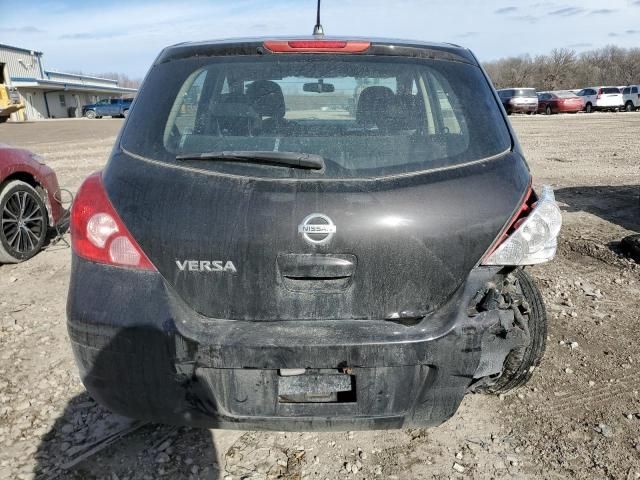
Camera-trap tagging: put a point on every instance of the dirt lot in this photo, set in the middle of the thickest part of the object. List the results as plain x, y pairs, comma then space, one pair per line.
578, 418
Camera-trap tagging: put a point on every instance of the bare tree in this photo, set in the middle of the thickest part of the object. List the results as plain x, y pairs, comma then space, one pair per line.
513, 71
557, 69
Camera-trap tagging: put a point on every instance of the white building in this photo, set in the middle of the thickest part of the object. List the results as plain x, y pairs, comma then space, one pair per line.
51, 94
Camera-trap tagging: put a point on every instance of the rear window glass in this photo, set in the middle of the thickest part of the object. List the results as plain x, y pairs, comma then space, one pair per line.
565, 94
366, 116
525, 92
610, 90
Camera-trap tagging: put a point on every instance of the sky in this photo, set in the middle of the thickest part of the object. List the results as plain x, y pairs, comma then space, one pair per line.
125, 36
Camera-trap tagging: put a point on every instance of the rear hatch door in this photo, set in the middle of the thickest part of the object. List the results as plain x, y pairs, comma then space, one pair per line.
234, 248
420, 176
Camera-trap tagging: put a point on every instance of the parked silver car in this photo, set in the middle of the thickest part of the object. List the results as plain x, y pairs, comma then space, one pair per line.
631, 98
519, 100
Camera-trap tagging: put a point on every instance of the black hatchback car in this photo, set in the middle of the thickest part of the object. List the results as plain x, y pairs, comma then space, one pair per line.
309, 234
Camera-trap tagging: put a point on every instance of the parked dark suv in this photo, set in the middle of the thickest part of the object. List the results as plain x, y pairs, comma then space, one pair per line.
309, 235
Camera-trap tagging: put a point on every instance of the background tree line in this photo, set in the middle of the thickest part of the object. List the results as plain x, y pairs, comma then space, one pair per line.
563, 69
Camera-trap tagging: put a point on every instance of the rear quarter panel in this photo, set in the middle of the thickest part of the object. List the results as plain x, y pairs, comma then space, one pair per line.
15, 161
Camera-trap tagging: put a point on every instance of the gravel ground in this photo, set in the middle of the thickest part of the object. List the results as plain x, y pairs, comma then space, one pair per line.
579, 417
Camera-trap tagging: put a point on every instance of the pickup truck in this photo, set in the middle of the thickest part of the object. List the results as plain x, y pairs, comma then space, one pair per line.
116, 107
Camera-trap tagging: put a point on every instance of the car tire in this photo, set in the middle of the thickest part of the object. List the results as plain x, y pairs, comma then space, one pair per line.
548, 110
631, 246
20, 243
588, 108
629, 107
520, 363
125, 113
90, 114
3, 119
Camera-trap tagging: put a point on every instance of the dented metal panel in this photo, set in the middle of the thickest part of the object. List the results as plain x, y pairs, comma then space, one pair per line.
158, 360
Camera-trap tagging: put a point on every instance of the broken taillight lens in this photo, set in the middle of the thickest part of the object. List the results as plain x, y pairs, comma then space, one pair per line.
534, 234
97, 232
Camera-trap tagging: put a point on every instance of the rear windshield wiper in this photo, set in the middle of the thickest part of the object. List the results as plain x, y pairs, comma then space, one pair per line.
288, 159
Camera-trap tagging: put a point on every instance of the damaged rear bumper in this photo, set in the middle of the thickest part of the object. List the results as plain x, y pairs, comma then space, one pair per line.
143, 353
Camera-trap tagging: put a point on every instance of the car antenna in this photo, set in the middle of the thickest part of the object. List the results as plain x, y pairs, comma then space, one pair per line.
317, 29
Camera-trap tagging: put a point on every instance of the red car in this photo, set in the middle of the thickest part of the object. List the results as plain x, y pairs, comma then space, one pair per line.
559, 102
30, 204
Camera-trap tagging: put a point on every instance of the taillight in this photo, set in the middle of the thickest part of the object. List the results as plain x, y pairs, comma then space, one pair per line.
599, 94
316, 46
97, 232
532, 235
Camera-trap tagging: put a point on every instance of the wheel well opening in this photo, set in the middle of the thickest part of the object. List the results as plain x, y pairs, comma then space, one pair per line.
23, 177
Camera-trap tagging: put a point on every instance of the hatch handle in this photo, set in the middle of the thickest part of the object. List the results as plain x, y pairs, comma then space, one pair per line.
316, 266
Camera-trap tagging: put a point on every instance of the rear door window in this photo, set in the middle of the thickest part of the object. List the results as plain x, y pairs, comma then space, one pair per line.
366, 116
185, 107
610, 90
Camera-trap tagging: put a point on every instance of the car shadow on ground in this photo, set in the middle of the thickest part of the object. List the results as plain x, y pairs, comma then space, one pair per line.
619, 204
88, 441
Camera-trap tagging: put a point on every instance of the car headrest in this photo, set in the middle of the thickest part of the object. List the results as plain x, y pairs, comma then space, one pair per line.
232, 115
266, 98
377, 106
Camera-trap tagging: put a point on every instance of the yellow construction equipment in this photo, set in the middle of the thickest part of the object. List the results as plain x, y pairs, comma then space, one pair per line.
9, 97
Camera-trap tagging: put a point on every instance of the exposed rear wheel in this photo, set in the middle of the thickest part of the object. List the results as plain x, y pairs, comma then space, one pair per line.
90, 114
548, 110
588, 108
629, 107
631, 246
23, 222
521, 362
